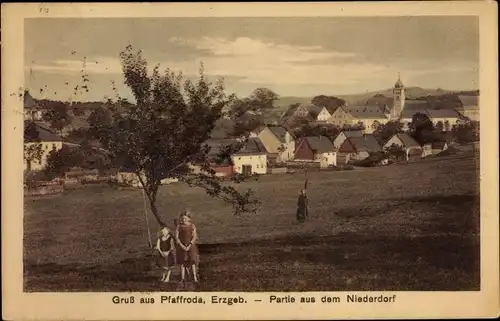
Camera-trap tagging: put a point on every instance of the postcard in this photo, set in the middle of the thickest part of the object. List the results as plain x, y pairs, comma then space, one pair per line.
204, 161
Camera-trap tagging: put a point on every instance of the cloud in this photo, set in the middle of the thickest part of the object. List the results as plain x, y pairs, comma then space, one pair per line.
255, 62
98, 65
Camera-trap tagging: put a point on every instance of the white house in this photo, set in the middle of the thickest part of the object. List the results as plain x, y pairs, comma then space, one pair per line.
48, 141
278, 142
251, 159
409, 145
470, 107
323, 115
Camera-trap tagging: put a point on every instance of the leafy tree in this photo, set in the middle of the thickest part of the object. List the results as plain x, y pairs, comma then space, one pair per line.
384, 132
61, 161
165, 130
78, 111
33, 150
395, 152
249, 113
99, 121
439, 127
57, 115
447, 126
327, 101
264, 98
422, 129
466, 132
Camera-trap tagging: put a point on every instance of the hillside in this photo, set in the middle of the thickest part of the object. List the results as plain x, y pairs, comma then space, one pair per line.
411, 92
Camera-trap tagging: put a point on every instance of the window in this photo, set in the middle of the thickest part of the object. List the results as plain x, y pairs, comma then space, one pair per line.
46, 146
239, 158
53, 146
257, 166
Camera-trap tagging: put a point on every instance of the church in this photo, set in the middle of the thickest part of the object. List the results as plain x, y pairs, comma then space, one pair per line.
381, 109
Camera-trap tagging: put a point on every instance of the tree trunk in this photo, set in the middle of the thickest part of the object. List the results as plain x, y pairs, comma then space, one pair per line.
154, 210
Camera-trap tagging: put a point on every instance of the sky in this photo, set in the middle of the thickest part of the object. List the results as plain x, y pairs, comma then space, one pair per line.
300, 57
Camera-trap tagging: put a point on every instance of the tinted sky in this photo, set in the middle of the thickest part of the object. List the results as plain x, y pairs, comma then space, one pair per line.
292, 56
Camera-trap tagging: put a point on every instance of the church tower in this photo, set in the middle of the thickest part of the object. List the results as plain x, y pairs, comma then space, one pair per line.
399, 99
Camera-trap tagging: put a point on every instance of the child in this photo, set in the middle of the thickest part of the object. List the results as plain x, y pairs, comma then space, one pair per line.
187, 251
166, 247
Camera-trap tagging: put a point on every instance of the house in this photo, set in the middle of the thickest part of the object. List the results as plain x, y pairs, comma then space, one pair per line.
47, 141
316, 149
221, 164
370, 118
410, 146
470, 107
251, 158
340, 117
447, 117
358, 148
32, 110
323, 115
308, 111
278, 142
344, 135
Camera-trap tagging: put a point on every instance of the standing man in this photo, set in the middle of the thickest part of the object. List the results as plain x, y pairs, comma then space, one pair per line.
302, 206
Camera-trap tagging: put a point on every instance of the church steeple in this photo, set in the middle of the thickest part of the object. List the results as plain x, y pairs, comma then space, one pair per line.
399, 98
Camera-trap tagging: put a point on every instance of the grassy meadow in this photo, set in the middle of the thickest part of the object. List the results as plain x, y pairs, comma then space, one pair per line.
412, 226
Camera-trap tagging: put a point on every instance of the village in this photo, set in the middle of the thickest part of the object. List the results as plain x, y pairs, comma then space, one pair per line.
379, 131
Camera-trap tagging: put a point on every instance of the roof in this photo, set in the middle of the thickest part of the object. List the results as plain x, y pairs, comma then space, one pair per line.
438, 145
45, 134
442, 113
399, 83
279, 132
469, 100
320, 144
407, 140
353, 133
29, 102
366, 143
365, 113
253, 146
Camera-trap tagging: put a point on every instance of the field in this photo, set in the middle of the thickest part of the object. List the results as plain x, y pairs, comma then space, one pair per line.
402, 227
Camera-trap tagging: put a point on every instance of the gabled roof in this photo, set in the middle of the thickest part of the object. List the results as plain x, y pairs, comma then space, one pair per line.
407, 140
353, 133
366, 143
279, 132
253, 146
442, 113
367, 113
469, 100
320, 144
45, 134
29, 102
438, 145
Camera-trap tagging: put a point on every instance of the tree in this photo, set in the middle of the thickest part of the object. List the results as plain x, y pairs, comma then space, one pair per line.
61, 161
249, 113
327, 101
439, 126
466, 132
99, 121
57, 115
447, 126
33, 151
165, 130
264, 98
384, 132
422, 129
395, 152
